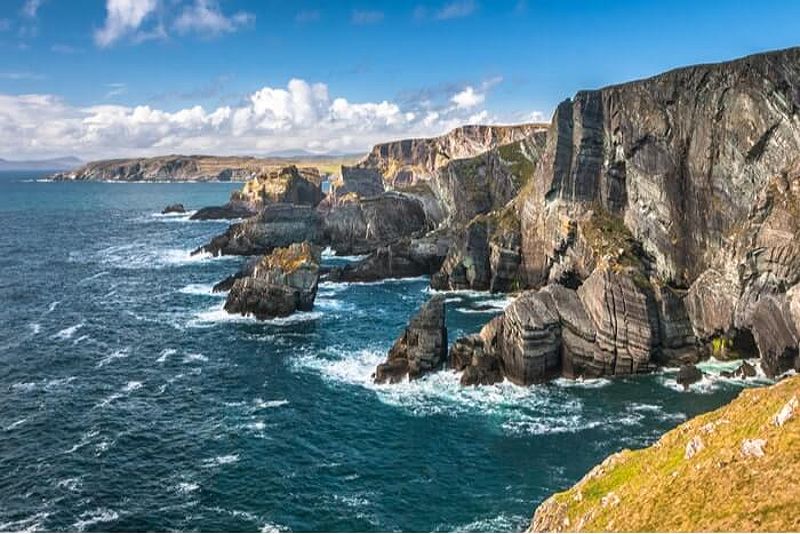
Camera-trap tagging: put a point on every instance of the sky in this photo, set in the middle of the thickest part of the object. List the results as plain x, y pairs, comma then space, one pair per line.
122, 78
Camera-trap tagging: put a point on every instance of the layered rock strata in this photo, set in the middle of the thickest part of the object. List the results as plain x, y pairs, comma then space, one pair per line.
278, 285
421, 349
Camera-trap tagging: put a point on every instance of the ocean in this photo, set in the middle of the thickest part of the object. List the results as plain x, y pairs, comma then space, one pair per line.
130, 401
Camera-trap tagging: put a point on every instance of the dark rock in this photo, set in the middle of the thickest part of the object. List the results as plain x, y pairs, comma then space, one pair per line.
246, 270
421, 349
745, 370
403, 259
277, 225
231, 210
359, 226
688, 374
478, 366
280, 284
173, 208
363, 182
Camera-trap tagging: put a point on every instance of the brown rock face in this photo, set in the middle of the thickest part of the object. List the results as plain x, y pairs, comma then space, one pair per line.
410, 161
421, 349
279, 284
288, 185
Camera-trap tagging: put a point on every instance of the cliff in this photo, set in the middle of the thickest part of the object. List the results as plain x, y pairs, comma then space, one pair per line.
668, 209
177, 168
409, 161
734, 469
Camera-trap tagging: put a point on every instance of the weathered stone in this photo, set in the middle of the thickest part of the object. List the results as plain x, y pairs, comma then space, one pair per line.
230, 210
478, 366
421, 349
688, 374
281, 283
173, 208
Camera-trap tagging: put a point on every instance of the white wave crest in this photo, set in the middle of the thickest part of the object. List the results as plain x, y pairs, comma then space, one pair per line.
68, 332
99, 515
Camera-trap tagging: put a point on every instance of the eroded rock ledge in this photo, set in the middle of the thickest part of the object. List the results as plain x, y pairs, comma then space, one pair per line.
278, 285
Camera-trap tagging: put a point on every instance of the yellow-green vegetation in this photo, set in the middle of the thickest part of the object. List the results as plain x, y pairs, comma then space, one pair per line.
521, 164
612, 242
733, 469
291, 258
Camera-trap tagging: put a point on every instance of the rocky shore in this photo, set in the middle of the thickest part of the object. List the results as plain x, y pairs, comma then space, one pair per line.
650, 224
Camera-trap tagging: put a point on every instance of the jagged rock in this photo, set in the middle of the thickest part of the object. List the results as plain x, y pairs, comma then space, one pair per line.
478, 366
754, 447
359, 226
402, 259
688, 374
485, 255
624, 314
289, 185
422, 348
527, 340
230, 210
786, 412
364, 182
693, 446
277, 225
281, 283
173, 208
745, 370
247, 269
410, 161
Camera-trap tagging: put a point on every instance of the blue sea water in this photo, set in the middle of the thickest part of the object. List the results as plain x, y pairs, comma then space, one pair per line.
130, 401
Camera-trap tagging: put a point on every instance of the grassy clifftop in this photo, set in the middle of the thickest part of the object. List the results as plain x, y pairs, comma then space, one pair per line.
734, 469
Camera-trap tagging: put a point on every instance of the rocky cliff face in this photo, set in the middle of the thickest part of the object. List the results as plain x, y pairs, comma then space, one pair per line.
407, 162
278, 284
734, 469
421, 348
687, 166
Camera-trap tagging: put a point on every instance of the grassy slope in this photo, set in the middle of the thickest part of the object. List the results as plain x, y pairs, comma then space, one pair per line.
718, 489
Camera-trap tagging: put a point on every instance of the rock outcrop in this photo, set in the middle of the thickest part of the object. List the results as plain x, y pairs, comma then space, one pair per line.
280, 284
407, 162
697, 166
229, 210
408, 257
733, 469
421, 349
173, 208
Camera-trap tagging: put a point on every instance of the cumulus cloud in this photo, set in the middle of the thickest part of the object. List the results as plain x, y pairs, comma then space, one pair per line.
366, 17
206, 16
468, 98
123, 17
301, 115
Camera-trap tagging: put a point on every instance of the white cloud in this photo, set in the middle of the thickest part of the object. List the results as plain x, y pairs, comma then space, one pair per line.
456, 9
301, 115
366, 17
468, 98
452, 10
144, 20
206, 16
123, 17
31, 8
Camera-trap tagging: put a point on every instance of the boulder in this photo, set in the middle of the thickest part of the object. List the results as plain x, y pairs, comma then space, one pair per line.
173, 208
277, 225
688, 374
406, 258
280, 284
478, 366
421, 349
230, 210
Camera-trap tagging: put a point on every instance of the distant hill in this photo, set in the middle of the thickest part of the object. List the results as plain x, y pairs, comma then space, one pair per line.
53, 164
177, 168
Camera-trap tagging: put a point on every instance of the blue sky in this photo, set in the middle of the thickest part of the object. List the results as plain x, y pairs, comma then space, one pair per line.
101, 78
